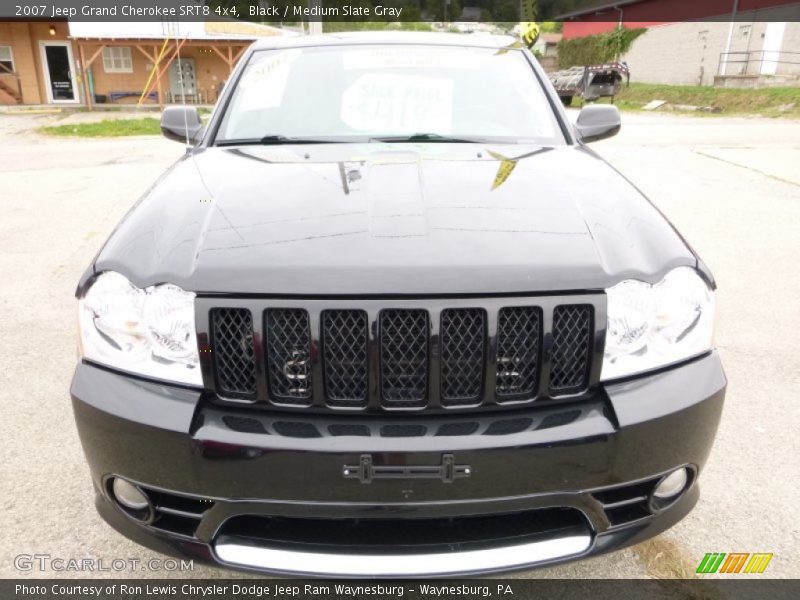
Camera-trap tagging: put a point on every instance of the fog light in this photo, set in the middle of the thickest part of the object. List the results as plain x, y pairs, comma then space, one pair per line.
672, 485
129, 496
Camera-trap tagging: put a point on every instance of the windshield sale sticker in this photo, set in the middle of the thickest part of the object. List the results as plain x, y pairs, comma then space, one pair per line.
398, 104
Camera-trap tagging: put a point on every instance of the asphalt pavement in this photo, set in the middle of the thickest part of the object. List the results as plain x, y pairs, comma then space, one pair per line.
731, 186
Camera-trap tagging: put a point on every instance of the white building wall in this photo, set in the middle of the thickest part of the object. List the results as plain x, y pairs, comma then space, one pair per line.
790, 50
678, 53
690, 53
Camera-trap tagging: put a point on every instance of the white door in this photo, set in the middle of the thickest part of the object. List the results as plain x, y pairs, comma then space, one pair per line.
58, 67
773, 40
182, 81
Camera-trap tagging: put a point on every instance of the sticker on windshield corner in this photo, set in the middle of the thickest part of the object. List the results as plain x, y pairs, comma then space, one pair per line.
266, 79
399, 104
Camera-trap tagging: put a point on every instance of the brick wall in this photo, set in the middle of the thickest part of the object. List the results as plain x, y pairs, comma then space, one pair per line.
210, 70
24, 38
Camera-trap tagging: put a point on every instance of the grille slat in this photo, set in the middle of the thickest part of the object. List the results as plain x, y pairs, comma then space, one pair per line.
233, 356
571, 353
463, 340
404, 357
289, 355
519, 335
344, 353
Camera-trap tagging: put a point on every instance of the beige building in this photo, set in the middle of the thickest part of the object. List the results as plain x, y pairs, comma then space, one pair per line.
736, 43
74, 63
546, 50
742, 54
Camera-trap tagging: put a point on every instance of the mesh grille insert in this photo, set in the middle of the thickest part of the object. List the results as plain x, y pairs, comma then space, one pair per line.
463, 339
289, 355
485, 353
344, 353
234, 359
519, 335
404, 356
571, 353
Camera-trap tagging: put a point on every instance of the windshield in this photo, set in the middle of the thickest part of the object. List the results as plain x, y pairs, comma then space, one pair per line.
389, 93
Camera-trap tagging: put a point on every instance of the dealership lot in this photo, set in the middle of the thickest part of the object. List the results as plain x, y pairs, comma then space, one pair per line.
731, 186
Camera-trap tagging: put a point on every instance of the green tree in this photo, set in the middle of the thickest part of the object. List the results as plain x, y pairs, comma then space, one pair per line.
437, 9
551, 27
505, 11
596, 49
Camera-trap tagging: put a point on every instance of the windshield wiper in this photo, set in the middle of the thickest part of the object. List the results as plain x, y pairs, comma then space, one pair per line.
273, 140
428, 137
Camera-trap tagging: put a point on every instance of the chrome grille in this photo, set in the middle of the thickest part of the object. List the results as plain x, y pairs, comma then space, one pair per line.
344, 356
232, 343
571, 353
463, 341
519, 335
404, 356
431, 354
289, 355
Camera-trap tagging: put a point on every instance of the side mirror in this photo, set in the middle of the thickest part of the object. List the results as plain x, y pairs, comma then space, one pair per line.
182, 124
598, 122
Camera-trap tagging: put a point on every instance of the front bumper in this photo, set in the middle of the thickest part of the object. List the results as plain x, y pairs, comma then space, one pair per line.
399, 496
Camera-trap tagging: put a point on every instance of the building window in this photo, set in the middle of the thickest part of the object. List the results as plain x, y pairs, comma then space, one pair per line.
117, 59
6, 60
744, 31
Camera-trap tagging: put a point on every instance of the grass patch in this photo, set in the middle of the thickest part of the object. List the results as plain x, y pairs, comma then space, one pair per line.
106, 128
666, 562
768, 102
664, 559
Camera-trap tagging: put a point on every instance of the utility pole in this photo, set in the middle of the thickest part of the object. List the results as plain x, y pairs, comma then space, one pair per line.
314, 22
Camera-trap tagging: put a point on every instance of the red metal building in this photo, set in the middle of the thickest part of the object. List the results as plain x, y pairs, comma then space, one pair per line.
604, 17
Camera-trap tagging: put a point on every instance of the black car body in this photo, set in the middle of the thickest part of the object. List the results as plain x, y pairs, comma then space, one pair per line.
401, 349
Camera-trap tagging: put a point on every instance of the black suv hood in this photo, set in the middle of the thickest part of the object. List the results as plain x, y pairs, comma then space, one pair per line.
392, 219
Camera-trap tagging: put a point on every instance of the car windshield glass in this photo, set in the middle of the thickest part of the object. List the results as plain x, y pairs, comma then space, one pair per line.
388, 93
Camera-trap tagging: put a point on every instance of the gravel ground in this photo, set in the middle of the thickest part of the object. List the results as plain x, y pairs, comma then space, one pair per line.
732, 187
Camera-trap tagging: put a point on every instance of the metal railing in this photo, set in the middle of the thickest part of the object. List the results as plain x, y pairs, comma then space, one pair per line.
752, 62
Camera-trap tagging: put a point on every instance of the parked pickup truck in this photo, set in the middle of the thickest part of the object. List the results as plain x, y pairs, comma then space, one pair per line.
590, 82
389, 316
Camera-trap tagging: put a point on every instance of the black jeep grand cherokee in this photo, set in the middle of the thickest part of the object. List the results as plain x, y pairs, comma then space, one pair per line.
390, 317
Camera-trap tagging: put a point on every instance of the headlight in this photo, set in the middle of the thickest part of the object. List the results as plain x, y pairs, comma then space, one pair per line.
651, 326
146, 331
